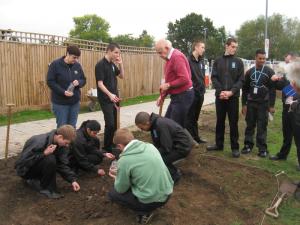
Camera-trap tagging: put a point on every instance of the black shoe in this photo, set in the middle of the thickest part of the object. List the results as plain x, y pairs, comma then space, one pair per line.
144, 219
276, 158
201, 141
246, 150
214, 148
262, 154
34, 184
235, 153
51, 194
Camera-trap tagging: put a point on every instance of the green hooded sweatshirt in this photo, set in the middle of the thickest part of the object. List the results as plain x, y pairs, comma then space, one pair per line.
142, 169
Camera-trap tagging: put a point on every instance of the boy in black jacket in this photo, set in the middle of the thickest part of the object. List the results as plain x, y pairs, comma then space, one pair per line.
42, 156
85, 152
172, 141
258, 100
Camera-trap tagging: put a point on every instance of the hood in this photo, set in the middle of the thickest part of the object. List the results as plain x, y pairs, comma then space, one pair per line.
134, 147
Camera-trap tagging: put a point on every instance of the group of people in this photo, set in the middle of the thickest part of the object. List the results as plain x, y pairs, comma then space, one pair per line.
147, 172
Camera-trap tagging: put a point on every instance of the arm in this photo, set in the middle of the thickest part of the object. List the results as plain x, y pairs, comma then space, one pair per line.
51, 81
240, 79
272, 90
214, 78
122, 182
246, 88
63, 166
165, 138
82, 79
120, 68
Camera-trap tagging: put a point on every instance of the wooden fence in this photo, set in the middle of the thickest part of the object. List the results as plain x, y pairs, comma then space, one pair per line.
24, 59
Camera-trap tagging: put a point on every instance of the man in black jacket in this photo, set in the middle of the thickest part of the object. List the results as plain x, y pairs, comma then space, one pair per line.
85, 152
42, 156
197, 66
258, 99
106, 72
65, 78
227, 78
172, 141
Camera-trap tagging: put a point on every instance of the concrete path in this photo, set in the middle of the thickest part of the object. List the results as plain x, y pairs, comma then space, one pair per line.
21, 132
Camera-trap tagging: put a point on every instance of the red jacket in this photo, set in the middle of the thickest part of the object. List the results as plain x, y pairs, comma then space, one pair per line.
178, 73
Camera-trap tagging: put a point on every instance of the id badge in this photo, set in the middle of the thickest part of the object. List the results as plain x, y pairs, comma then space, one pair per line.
255, 90
233, 65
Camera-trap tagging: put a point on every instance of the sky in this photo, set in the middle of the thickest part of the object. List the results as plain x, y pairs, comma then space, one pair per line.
132, 16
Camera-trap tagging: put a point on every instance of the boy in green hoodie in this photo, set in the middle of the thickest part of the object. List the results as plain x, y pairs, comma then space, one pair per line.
143, 182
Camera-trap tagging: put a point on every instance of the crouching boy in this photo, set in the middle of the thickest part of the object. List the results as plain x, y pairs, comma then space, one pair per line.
143, 182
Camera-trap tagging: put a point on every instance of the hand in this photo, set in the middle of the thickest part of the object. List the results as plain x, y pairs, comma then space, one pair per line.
164, 87
75, 186
69, 94
276, 77
114, 98
119, 60
101, 172
75, 83
244, 110
50, 149
272, 110
110, 156
227, 94
112, 175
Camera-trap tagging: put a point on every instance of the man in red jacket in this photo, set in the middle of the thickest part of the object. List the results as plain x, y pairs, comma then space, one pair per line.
177, 83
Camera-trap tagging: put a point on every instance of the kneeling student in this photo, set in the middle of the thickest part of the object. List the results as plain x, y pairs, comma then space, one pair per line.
172, 141
42, 156
142, 182
85, 153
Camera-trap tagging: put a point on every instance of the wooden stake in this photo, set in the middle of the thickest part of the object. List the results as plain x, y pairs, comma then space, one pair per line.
8, 128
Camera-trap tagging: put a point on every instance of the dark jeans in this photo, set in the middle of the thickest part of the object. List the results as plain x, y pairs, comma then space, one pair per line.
296, 131
287, 131
257, 115
179, 107
45, 172
193, 116
130, 201
110, 118
230, 107
66, 114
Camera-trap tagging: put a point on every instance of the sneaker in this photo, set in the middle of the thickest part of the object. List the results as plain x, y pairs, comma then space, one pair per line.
235, 153
214, 148
277, 158
246, 149
144, 219
262, 154
201, 141
51, 194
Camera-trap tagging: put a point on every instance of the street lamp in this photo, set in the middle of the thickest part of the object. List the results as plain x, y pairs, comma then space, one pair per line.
267, 42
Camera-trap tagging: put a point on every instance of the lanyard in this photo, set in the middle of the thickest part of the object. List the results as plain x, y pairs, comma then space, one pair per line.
260, 73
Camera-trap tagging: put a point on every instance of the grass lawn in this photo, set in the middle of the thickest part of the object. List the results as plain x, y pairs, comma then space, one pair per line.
289, 210
32, 115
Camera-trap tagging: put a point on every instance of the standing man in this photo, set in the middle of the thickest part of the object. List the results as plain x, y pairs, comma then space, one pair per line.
197, 66
106, 71
288, 95
258, 99
65, 78
227, 78
178, 82
42, 156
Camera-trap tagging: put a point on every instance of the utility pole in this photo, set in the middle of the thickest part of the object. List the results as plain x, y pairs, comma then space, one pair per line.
267, 41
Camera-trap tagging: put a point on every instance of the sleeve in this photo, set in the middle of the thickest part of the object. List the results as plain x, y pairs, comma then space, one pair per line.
246, 88
62, 166
51, 81
272, 89
122, 182
214, 78
165, 138
182, 73
240, 78
280, 84
117, 70
99, 72
82, 80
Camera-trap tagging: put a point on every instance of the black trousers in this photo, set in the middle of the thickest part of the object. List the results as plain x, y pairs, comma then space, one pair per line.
230, 107
110, 118
257, 115
296, 132
179, 107
45, 172
129, 200
287, 131
193, 116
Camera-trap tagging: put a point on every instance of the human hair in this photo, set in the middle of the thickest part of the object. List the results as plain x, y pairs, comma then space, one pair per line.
142, 118
195, 43
112, 46
67, 131
93, 125
122, 137
260, 51
293, 72
230, 40
73, 50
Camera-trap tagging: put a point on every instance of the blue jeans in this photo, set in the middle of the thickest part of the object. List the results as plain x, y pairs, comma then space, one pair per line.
66, 114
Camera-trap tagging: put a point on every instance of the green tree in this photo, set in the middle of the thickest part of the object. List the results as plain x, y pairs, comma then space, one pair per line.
91, 27
144, 40
184, 31
283, 32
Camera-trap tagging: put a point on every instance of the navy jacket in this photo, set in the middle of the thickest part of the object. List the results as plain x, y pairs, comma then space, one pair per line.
59, 77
